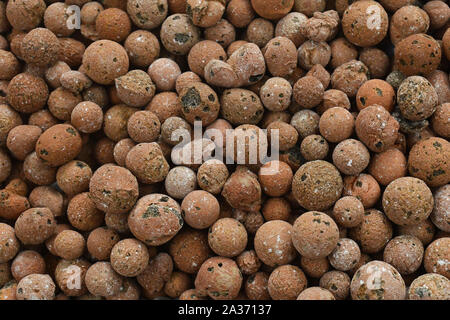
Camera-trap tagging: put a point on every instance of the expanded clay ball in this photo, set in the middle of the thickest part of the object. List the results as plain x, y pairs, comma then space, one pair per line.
276, 209
241, 106
35, 225
75, 81
346, 255
440, 214
428, 161
406, 21
5, 274
437, 256
285, 133
376, 128
100, 242
202, 53
377, 280
315, 235
376, 60
205, 13
174, 129
104, 61
64, 276
441, 83
365, 23
83, 214
38, 171
351, 157
430, 286
129, 257
286, 282
142, 47
272, 9
200, 209
364, 187
180, 181
276, 94
178, 283
337, 282
275, 178
5, 165
10, 65
290, 26
61, 103
113, 189
9, 119
223, 33
220, 278
314, 147
404, 253
143, 126
316, 293
164, 73
9, 244
260, 31
36, 287
135, 88
27, 93
147, 162
25, 15
155, 219
312, 52
113, 24
21, 140
336, 124
248, 63
242, 190
317, 185
47, 197
199, 102
342, 51
165, 105
388, 165
376, 92
102, 280
308, 92
417, 54
87, 117
349, 77
423, 230
280, 54
373, 233
179, 34
248, 262
227, 237
116, 121
416, 98
69, 244
212, 175
348, 211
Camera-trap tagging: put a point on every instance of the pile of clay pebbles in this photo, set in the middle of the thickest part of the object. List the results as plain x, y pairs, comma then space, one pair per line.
224, 149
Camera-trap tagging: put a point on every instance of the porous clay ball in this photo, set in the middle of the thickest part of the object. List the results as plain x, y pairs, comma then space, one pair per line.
248, 63
406, 21
276, 94
144, 126
73, 177
260, 31
8, 243
129, 257
202, 53
83, 214
373, 233
212, 175
376, 60
22, 139
27, 262
319, 72
113, 189
316, 293
219, 278
179, 34
388, 165
10, 119
346, 255
377, 280
104, 61
205, 13
342, 51
286, 282
404, 253
317, 185
272, 9
280, 54
440, 120
147, 14
113, 24
25, 15
349, 77
440, 214
178, 283
200, 209
199, 102
135, 88
337, 282
365, 23
417, 98
376, 128
273, 243
87, 117
102, 280
290, 26
164, 73
64, 276
315, 234
437, 257
429, 286
308, 92
248, 262
69, 244
351, 157
35, 225
10, 65
376, 92
364, 187
242, 106
180, 181
424, 231
100, 242
155, 219
27, 93
61, 103
36, 287
142, 47
428, 161
314, 147
336, 124
243, 190
40, 47
312, 52
227, 237
417, 54
223, 33
275, 178
285, 133
348, 211
147, 162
